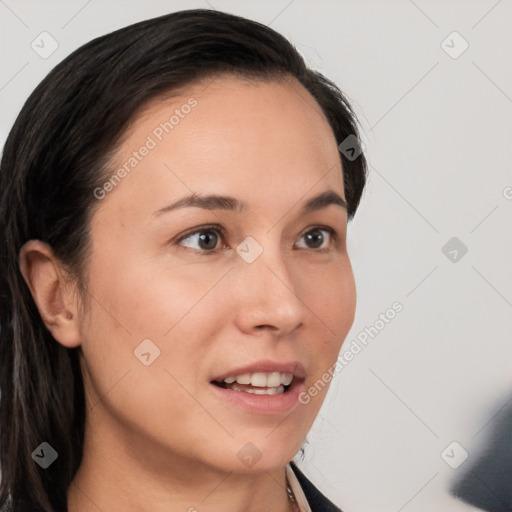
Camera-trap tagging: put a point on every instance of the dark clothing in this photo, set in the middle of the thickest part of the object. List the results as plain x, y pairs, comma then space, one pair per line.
317, 501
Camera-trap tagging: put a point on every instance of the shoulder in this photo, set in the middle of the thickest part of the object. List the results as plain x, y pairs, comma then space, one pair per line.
316, 500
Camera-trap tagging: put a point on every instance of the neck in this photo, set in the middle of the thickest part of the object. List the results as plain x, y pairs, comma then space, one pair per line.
119, 473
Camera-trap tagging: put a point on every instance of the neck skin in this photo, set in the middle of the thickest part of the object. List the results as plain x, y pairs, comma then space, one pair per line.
117, 472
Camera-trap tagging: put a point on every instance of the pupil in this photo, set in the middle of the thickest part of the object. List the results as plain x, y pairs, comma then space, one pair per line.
316, 239
205, 238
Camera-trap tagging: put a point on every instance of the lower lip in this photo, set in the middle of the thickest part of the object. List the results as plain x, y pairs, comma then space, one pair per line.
263, 404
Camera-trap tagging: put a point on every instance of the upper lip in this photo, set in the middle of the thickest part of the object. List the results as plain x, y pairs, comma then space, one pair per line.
266, 366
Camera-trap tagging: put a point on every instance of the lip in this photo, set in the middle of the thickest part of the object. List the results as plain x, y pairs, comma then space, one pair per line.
266, 366
283, 403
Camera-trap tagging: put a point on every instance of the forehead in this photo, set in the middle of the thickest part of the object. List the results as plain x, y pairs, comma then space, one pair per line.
249, 139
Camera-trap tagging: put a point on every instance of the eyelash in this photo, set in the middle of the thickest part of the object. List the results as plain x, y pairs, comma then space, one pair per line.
219, 230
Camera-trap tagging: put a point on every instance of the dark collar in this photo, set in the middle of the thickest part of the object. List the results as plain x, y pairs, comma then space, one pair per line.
317, 501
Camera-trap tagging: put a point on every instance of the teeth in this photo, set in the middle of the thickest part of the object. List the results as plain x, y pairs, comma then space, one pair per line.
262, 380
273, 379
259, 391
244, 379
286, 378
259, 380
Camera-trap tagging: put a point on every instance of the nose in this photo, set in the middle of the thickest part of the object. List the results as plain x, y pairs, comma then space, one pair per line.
266, 295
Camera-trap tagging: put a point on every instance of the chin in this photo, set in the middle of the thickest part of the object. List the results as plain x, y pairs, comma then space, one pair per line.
261, 454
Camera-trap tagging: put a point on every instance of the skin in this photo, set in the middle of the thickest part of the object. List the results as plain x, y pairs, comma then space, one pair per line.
157, 439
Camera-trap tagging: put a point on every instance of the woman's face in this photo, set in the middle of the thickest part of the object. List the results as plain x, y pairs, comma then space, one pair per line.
180, 297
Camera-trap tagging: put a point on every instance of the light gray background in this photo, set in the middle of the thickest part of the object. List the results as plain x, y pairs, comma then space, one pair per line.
438, 137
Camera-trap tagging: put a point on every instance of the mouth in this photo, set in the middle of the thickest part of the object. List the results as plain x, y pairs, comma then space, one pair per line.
258, 383
262, 392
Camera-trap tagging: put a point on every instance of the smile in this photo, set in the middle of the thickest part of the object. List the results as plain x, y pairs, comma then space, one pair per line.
258, 383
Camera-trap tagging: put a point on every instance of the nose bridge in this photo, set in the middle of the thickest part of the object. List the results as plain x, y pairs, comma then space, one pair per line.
270, 294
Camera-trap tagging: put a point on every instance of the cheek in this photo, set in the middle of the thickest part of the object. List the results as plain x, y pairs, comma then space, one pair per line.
131, 306
331, 298
149, 298
136, 301
330, 294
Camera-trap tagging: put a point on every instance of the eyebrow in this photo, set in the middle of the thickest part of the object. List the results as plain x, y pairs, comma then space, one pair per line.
216, 202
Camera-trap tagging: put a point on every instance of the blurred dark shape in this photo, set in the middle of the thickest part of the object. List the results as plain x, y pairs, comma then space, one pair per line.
487, 482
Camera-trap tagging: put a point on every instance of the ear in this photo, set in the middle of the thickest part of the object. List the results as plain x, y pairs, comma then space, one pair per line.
54, 295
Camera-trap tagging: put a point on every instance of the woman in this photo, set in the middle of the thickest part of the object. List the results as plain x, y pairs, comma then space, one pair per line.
175, 280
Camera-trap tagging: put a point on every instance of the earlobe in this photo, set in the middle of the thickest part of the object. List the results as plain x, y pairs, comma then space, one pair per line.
52, 292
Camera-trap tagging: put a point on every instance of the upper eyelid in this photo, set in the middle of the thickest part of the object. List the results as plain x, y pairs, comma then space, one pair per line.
207, 227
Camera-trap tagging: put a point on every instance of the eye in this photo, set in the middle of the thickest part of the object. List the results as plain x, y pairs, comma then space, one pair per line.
316, 238
205, 238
